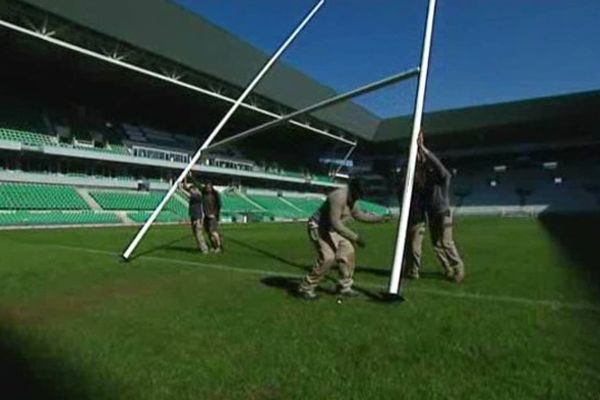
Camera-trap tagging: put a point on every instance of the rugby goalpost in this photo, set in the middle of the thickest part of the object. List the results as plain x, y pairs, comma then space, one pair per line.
394, 285
142, 232
421, 72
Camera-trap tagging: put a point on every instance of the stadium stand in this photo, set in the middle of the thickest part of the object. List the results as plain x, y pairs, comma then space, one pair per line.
14, 196
277, 207
164, 216
24, 218
233, 203
85, 127
477, 190
25, 137
307, 204
533, 189
53, 133
127, 200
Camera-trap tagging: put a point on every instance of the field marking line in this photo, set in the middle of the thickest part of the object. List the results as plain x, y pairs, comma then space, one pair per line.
219, 267
553, 304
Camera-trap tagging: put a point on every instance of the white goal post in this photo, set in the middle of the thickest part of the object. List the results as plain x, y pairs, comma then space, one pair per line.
421, 72
142, 232
394, 285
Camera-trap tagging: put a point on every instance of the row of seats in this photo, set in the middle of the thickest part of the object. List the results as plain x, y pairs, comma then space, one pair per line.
286, 207
127, 200
17, 196
28, 135
277, 207
164, 216
28, 138
113, 149
56, 218
233, 203
37, 139
31, 125
22, 198
309, 205
529, 187
121, 200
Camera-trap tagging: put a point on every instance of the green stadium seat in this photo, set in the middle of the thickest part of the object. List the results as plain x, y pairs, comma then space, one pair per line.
138, 201
41, 204
23, 196
309, 205
28, 138
277, 207
165, 216
20, 218
233, 203
33, 138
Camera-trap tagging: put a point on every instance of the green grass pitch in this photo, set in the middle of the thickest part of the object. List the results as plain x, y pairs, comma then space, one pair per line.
77, 323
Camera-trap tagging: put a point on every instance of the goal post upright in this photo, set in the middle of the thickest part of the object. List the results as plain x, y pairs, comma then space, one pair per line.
144, 229
394, 284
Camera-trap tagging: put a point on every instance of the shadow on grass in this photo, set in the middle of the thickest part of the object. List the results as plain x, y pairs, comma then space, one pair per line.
164, 246
433, 275
303, 267
271, 255
184, 249
29, 372
290, 286
577, 236
372, 271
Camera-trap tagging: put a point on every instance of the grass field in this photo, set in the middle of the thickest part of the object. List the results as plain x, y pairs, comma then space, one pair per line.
76, 323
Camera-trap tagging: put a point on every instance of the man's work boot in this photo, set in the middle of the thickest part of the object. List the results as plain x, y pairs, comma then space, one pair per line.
459, 273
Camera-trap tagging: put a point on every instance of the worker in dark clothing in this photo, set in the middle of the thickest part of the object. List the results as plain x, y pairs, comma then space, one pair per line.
439, 215
196, 213
211, 203
431, 204
416, 223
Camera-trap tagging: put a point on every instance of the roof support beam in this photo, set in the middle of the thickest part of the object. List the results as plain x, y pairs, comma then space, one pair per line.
156, 75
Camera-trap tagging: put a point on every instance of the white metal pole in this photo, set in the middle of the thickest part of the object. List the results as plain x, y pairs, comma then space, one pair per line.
339, 98
138, 237
348, 154
394, 286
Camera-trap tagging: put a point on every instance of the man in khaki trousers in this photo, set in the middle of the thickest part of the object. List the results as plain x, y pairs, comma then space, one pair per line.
334, 242
431, 203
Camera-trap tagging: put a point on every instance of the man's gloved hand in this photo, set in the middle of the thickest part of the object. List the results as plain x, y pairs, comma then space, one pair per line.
360, 243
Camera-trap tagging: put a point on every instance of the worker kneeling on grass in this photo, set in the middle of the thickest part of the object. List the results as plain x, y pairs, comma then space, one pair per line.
334, 241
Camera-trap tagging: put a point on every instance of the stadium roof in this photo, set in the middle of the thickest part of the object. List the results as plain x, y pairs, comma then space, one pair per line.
166, 29
583, 105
